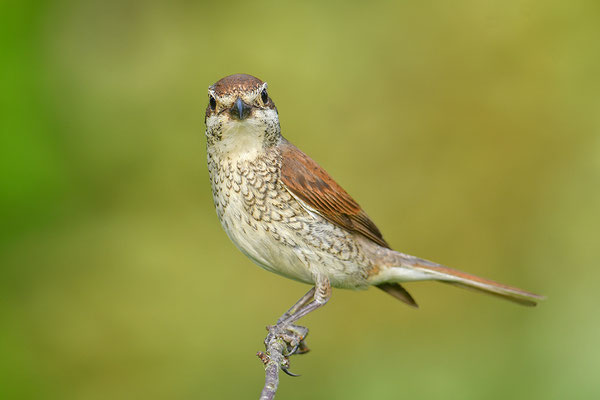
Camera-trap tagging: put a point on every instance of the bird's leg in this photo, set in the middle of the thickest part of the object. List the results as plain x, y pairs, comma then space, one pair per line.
321, 294
299, 304
292, 336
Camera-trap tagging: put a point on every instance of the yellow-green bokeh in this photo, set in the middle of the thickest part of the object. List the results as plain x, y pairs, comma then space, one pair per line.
468, 130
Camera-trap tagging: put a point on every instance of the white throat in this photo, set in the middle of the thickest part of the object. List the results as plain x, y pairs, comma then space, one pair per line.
241, 140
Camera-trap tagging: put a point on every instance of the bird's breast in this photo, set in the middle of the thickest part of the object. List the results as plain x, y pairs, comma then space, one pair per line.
270, 226
258, 214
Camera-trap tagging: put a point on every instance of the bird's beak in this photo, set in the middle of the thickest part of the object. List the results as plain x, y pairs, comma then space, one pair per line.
240, 110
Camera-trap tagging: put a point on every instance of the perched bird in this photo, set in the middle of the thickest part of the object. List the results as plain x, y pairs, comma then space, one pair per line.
285, 212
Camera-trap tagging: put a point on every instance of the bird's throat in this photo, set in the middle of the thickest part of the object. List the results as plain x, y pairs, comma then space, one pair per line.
240, 141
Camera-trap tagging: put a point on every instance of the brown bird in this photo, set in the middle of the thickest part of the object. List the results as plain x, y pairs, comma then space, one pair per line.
285, 212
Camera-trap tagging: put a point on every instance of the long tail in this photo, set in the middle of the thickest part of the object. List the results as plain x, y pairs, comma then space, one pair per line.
427, 270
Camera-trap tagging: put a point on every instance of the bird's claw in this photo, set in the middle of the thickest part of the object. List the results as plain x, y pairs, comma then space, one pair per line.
287, 372
293, 337
299, 348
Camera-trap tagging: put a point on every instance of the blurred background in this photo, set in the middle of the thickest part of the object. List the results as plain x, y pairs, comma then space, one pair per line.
117, 281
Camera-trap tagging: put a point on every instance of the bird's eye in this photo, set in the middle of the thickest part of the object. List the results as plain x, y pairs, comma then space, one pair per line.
212, 102
264, 96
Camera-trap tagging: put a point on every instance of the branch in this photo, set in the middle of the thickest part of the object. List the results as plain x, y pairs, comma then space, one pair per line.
273, 359
281, 343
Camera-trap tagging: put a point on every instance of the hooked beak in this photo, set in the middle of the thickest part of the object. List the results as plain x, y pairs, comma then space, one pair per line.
240, 110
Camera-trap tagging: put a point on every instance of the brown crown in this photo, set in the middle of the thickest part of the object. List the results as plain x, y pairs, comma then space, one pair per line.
236, 83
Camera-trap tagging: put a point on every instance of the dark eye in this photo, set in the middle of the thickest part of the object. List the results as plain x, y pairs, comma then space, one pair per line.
264, 96
212, 102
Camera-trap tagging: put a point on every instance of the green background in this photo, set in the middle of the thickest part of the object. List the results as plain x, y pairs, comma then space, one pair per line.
468, 130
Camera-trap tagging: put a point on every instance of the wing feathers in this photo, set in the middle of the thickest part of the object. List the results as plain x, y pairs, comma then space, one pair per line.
313, 185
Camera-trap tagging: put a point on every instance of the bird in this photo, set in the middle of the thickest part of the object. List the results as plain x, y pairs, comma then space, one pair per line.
288, 215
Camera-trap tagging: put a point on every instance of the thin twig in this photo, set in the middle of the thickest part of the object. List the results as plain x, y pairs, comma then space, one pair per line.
273, 359
281, 343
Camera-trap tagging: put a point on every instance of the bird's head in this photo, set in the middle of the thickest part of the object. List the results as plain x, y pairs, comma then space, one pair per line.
240, 112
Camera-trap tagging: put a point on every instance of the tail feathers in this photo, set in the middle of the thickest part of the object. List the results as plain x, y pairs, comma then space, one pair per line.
468, 281
396, 290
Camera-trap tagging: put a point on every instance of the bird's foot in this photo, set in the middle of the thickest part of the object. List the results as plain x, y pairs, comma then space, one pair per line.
292, 335
291, 339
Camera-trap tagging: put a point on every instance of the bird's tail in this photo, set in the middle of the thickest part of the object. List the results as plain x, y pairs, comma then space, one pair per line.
409, 268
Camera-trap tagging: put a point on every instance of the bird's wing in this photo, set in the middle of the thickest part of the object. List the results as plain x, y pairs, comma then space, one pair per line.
313, 185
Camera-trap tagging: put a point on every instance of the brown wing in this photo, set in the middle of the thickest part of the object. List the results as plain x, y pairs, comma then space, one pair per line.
313, 185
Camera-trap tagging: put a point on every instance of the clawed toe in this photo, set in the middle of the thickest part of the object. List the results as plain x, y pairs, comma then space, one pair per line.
287, 372
302, 348
292, 336
299, 348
